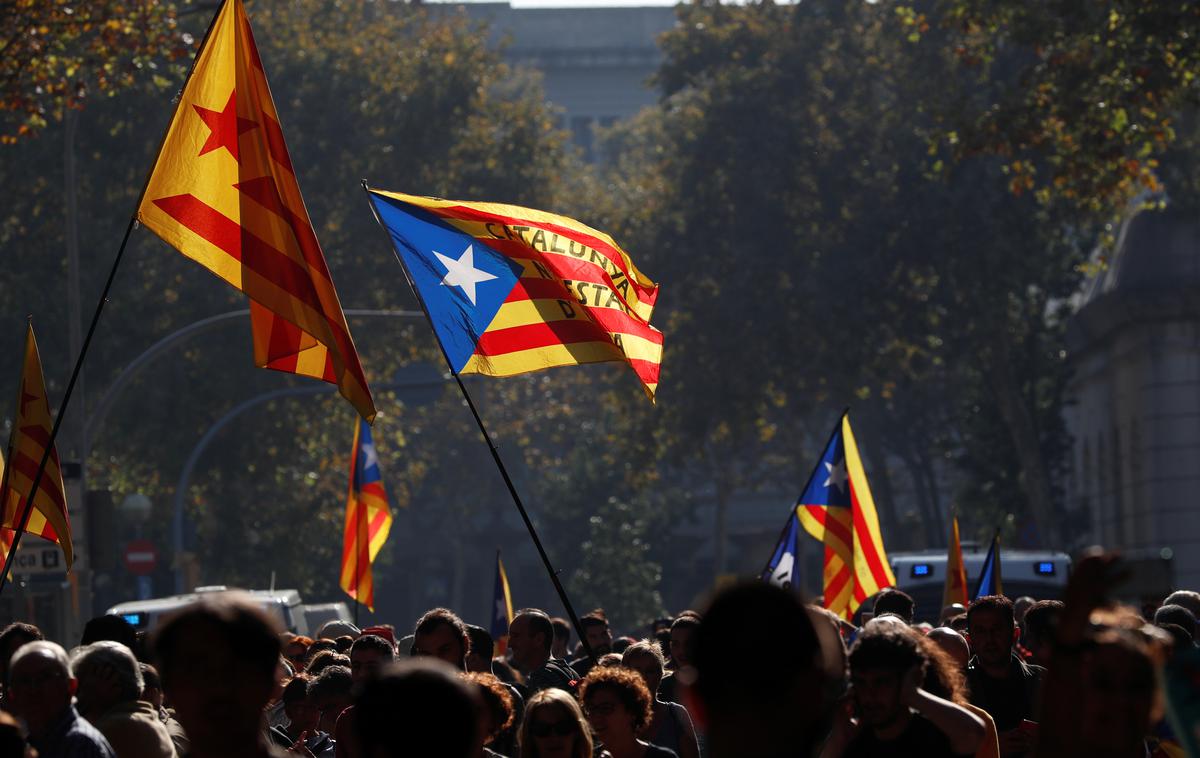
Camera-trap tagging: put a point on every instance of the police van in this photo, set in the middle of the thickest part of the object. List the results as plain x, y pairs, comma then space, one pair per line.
284, 606
1040, 574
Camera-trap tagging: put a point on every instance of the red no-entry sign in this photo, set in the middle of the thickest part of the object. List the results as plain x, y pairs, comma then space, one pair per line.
141, 557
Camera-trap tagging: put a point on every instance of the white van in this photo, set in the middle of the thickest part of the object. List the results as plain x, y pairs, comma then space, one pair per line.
283, 605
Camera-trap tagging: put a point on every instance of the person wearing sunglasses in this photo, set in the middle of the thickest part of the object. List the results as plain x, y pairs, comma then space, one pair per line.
554, 727
617, 703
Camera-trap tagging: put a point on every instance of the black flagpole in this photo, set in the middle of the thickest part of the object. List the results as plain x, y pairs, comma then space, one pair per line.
87, 341
512, 490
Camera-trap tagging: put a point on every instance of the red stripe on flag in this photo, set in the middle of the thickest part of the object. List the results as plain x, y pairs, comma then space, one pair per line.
276, 144
866, 545
252, 48
28, 467
542, 334
834, 588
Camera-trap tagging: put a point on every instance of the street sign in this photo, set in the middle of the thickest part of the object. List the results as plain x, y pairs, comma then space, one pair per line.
38, 558
141, 557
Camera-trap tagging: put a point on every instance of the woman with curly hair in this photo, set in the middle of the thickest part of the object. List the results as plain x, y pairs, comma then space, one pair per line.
554, 727
497, 712
617, 704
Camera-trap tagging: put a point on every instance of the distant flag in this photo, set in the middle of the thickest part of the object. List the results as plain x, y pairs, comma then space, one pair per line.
956, 573
26, 445
783, 567
836, 507
502, 608
368, 519
224, 193
511, 290
989, 575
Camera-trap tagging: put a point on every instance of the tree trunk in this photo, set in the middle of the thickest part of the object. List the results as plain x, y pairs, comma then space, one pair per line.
1015, 412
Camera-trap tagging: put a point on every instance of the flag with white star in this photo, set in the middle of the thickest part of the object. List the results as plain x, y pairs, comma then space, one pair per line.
511, 290
368, 518
837, 508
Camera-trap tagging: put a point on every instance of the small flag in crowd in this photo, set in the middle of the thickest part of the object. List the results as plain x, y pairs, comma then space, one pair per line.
836, 507
31, 430
224, 193
782, 570
368, 518
511, 290
955, 590
989, 575
502, 608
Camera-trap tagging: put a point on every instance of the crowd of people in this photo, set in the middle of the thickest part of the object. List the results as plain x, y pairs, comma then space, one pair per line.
757, 674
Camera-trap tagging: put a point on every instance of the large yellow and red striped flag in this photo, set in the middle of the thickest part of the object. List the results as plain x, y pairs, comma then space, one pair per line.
510, 289
368, 519
836, 507
26, 445
224, 193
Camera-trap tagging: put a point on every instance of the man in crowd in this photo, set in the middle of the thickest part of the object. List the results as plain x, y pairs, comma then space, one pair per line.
152, 693
440, 712
1000, 682
599, 638
440, 633
895, 715
368, 654
896, 602
562, 638
14, 636
109, 696
1040, 622
530, 638
683, 635
41, 687
218, 659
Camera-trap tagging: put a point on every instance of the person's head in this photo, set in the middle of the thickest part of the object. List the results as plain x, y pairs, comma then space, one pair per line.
219, 659
683, 638
479, 658
943, 675
554, 727
958, 623
1180, 638
1176, 614
331, 630
1020, 606
331, 693
14, 636
367, 654
113, 628
879, 660
562, 637
496, 715
530, 637
302, 714
758, 672
1186, 598
646, 658
324, 660
950, 611
1117, 696
343, 643
1040, 622
295, 649
616, 702
440, 633
316, 648
108, 675
151, 686
991, 629
595, 629
897, 602
952, 644
40, 685
440, 712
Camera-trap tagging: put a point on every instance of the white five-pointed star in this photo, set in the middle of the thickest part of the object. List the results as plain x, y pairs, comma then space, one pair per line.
837, 474
370, 457
462, 273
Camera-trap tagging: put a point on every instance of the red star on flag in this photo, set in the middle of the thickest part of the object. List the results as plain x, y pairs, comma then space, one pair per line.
226, 126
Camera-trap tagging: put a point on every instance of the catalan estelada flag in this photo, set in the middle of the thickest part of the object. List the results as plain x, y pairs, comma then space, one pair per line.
511, 290
502, 608
989, 574
783, 568
955, 589
836, 507
223, 192
26, 445
368, 519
